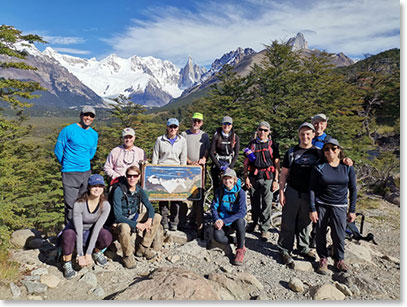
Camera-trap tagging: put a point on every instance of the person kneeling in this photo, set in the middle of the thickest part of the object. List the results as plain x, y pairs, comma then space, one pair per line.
128, 219
228, 211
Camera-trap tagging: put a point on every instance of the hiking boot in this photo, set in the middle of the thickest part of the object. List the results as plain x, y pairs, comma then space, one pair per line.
99, 258
264, 236
129, 262
323, 266
165, 226
143, 251
173, 227
287, 260
240, 252
311, 255
69, 272
341, 266
251, 228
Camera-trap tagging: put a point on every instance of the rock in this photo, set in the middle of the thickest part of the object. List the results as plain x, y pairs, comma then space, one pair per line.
169, 284
34, 287
226, 268
296, 285
34, 298
235, 286
40, 271
15, 290
90, 279
303, 266
32, 278
176, 237
98, 292
20, 237
34, 243
343, 288
328, 292
355, 290
50, 280
392, 259
173, 258
356, 253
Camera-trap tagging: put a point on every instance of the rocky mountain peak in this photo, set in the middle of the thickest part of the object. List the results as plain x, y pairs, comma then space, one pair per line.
298, 42
190, 74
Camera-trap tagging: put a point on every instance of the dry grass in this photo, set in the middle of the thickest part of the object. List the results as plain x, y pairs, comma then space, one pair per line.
9, 270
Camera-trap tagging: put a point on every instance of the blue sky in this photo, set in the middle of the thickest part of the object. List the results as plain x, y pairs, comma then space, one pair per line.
205, 30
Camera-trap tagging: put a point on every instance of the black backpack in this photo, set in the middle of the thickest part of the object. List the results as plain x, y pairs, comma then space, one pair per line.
353, 233
122, 183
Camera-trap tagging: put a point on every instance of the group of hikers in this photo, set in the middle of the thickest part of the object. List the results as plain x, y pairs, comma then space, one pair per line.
313, 184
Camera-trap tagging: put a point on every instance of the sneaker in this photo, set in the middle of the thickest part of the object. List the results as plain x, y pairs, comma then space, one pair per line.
323, 266
129, 262
69, 272
99, 258
287, 260
251, 228
240, 252
311, 255
341, 266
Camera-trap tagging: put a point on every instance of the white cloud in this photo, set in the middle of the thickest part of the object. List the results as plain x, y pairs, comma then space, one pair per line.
63, 40
71, 50
354, 27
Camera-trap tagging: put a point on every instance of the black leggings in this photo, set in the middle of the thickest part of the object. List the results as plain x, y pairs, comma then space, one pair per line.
224, 235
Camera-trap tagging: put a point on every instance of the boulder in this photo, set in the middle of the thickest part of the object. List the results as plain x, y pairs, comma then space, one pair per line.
303, 266
15, 290
177, 237
328, 292
169, 284
296, 285
90, 279
358, 253
235, 286
343, 288
50, 280
19, 237
34, 287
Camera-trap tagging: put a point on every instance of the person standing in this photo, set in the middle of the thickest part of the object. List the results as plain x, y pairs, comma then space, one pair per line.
261, 171
128, 218
224, 150
296, 170
171, 148
86, 229
124, 156
328, 205
228, 212
75, 147
198, 146
320, 122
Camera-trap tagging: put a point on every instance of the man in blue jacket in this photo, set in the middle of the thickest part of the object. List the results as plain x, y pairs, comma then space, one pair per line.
76, 146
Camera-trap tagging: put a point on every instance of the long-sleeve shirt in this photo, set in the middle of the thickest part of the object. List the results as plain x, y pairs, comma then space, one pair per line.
197, 144
329, 186
125, 211
120, 158
85, 220
167, 153
231, 207
75, 147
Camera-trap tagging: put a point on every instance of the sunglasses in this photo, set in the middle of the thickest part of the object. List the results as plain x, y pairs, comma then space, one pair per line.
133, 175
173, 126
197, 120
226, 124
328, 148
264, 130
89, 114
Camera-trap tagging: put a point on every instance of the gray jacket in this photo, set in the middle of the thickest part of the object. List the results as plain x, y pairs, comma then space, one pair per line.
165, 153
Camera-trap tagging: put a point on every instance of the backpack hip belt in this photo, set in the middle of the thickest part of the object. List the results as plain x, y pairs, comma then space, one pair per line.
267, 171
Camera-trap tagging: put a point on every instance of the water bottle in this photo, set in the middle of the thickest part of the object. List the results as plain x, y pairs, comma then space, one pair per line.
250, 154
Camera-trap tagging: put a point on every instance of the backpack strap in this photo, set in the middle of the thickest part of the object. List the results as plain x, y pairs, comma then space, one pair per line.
221, 197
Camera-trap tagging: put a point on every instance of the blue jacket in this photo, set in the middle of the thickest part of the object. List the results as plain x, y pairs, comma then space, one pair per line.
319, 141
229, 208
75, 148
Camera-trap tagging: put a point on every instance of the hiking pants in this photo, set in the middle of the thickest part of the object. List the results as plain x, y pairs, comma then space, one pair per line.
196, 215
215, 174
261, 202
74, 185
69, 240
123, 231
223, 235
335, 217
295, 221
175, 211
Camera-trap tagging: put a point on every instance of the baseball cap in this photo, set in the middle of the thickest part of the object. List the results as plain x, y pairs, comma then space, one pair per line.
308, 125
229, 173
264, 124
128, 131
88, 109
332, 141
198, 115
172, 121
227, 119
319, 116
96, 179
